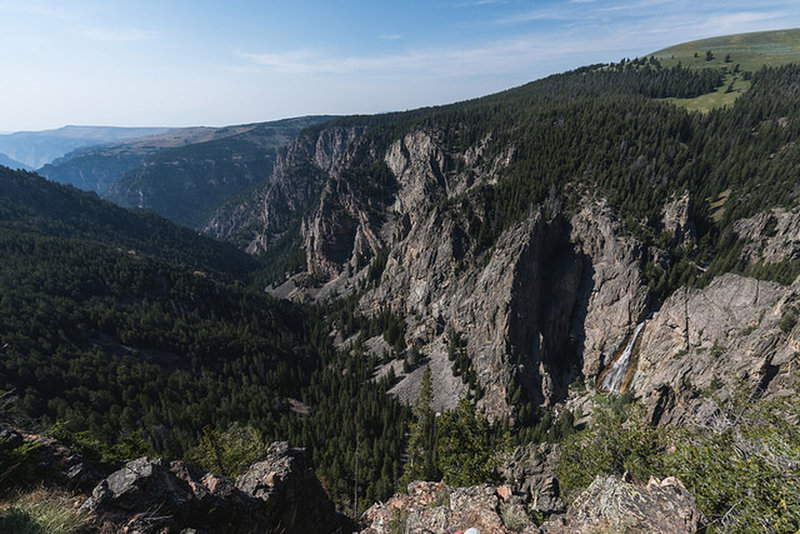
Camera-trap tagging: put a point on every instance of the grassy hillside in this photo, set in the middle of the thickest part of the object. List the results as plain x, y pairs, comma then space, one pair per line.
750, 50
738, 55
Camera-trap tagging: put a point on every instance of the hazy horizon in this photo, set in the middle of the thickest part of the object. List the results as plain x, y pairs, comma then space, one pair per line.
177, 64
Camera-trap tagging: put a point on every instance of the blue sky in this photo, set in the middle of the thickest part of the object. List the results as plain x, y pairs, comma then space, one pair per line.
203, 62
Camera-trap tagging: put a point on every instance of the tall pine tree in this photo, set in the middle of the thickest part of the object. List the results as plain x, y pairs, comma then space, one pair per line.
421, 464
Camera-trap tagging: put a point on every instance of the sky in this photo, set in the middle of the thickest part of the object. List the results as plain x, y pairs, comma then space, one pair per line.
214, 62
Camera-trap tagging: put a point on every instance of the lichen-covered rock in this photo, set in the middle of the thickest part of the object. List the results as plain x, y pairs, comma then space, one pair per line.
292, 494
612, 505
436, 507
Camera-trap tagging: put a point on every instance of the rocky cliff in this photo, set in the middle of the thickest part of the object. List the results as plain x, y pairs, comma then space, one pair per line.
552, 300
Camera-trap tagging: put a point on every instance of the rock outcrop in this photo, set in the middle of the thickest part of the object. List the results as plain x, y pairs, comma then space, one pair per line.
280, 493
436, 507
771, 236
738, 332
299, 175
608, 505
55, 463
612, 505
531, 470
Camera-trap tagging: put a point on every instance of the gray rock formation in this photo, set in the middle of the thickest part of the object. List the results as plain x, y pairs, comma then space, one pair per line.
677, 219
738, 332
292, 495
612, 505
531, 470
150, 495
296, 183
608, 505
772, 236
436, 507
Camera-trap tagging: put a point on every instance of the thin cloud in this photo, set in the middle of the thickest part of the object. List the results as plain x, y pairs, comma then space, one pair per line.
540, 14
391, 37
38, 10
117, 36
499, 57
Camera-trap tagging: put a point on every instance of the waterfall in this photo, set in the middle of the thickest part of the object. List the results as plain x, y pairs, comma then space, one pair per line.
614, 377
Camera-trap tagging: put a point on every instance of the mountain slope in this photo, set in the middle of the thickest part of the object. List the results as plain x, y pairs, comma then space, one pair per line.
540, 226
32, 204
11, 163
750, 50
95, 168
185, 184
737, 56
38, 148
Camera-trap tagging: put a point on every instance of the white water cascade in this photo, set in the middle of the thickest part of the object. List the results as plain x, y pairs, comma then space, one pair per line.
614, 377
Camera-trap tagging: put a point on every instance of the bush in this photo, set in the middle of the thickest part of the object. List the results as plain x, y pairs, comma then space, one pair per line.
619, 440
16, 463
743, 467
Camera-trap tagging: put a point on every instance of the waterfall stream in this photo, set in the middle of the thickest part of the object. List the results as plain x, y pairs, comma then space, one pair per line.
615, 376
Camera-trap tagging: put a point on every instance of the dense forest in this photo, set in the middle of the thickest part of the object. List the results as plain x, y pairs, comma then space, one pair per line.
120, 327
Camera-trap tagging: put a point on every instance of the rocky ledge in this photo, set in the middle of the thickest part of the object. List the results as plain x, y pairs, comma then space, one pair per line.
610, 504
279, 494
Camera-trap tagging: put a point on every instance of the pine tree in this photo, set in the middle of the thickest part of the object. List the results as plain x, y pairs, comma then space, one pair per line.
421, 464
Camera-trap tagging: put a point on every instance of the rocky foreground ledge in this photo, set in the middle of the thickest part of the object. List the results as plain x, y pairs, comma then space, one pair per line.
610, 504
283, 494
278, 494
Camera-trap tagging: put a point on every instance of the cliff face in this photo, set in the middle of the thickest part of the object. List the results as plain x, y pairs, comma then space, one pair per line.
738, 331
294, 185
554, 299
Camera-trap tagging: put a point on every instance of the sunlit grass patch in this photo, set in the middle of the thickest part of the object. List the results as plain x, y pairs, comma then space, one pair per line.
43, 511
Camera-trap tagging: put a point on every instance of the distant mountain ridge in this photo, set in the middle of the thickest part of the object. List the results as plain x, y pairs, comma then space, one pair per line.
35, 149
183, 174
13, 164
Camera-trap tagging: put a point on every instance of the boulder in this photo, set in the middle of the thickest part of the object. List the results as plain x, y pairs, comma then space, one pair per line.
292, 494
613, 505
532, 471
148, 495
436, 507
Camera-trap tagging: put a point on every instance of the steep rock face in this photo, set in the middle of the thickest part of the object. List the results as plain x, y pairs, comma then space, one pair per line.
737, 332
772, 236
677, 218
554, 298
614, 291
296, 182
